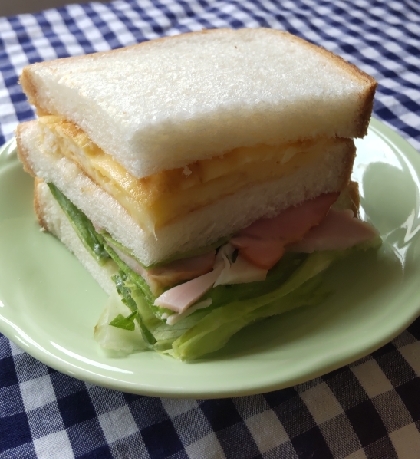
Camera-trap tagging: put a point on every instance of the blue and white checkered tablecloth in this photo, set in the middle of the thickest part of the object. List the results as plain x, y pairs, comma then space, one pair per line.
370, 409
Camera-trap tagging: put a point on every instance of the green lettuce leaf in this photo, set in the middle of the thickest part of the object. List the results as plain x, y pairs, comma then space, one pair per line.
216, 328
127, 292
118, 341
82, 225
126, 323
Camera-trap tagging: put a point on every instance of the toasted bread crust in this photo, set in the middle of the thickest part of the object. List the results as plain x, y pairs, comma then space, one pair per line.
353, 188
349, 199
23, 155
22, 152
38, 207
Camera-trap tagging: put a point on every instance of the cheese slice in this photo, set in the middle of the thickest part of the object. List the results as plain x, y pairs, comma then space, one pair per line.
162, 198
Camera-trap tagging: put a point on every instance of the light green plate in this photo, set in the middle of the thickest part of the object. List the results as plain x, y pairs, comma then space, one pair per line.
49, 304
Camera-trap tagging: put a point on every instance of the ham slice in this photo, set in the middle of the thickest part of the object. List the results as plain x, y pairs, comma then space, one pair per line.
174, 318
182, 270
262, 253
263, 242
309, 227
180, 297
338, 231
172, 273
239, 271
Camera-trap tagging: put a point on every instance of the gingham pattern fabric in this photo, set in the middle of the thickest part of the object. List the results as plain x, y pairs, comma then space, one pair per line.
370, 409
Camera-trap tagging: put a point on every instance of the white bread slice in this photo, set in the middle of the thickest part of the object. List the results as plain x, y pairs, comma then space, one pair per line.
55, 221
199, 228
165, 103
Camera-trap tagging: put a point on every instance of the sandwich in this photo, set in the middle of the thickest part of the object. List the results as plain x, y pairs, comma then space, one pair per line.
203, 179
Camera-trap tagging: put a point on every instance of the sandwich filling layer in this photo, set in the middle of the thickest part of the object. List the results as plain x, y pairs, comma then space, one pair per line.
199, 316
167, 196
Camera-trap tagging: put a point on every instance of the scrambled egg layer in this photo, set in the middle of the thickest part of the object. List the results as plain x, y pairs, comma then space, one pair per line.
161, 198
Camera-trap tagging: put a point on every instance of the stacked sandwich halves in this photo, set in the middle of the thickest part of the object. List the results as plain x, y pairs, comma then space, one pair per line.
204, 177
